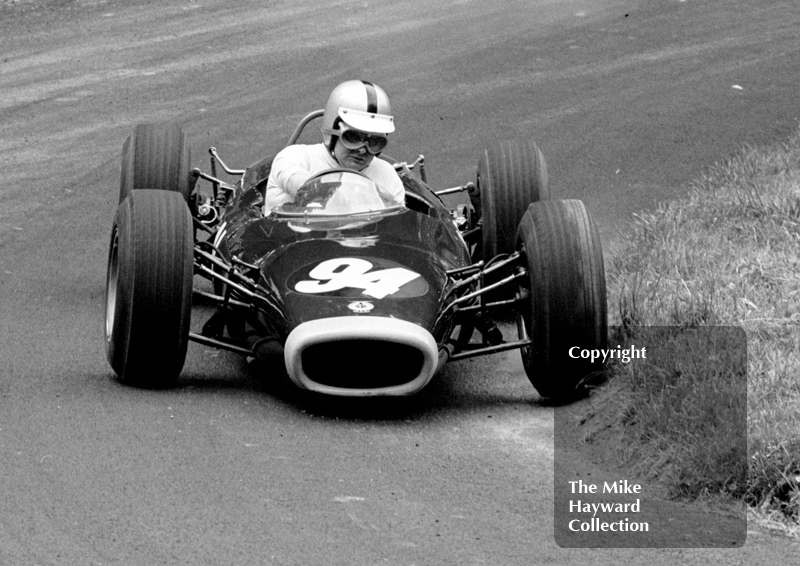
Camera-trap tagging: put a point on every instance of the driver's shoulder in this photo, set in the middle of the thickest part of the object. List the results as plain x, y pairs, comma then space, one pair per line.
301, 150
384, 168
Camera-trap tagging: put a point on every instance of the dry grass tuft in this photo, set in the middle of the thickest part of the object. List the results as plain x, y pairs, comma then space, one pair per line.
728, 255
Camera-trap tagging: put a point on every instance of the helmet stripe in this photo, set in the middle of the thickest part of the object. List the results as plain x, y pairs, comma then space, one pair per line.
372, 97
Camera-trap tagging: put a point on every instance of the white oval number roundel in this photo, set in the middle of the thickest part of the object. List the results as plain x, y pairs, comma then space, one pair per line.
340, 273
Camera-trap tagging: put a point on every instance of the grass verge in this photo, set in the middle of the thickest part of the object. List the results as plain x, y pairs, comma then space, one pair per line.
728, 255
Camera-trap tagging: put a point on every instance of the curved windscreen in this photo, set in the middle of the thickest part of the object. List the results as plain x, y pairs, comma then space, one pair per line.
338, 193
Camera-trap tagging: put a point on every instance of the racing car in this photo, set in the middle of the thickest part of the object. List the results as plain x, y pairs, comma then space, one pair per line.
353, 294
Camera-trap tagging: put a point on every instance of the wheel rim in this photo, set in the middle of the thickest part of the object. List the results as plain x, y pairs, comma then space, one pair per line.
111, 285
524, 297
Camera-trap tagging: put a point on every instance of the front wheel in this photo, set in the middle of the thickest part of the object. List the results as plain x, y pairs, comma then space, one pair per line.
149, 288
565, 296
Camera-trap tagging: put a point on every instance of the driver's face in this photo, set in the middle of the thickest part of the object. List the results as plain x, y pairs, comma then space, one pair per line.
356, 159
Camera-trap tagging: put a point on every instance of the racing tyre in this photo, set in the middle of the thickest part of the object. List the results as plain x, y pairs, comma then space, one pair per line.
156, 156
149, 288
512, 174
564, 297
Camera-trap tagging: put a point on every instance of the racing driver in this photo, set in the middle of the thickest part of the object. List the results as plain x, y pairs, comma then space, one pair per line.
356, 122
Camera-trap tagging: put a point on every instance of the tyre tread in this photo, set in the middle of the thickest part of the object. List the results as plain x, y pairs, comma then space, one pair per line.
512, 174
568, 303
156, 249
156, 156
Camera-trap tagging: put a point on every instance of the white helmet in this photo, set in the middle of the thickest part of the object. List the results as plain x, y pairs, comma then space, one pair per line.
359, 104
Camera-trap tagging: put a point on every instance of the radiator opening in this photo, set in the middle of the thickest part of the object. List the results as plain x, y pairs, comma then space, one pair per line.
362, 363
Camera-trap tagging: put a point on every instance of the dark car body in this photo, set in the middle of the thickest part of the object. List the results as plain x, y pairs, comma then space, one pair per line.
379, 281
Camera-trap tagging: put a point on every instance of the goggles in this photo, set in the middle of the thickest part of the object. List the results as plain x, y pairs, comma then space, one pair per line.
356, 139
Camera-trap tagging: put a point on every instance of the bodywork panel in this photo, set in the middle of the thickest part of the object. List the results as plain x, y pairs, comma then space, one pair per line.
389, 265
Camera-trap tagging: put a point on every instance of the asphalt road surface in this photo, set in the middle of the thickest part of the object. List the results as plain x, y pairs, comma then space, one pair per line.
628, 100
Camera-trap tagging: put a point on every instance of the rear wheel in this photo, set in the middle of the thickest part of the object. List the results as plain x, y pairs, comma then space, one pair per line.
149, 288
565, 294
512, 174
156, 156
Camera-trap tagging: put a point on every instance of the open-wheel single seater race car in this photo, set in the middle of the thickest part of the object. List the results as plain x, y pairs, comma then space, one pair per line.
352, 293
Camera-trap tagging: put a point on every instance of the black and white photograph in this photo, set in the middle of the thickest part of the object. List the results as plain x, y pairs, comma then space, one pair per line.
402, 283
